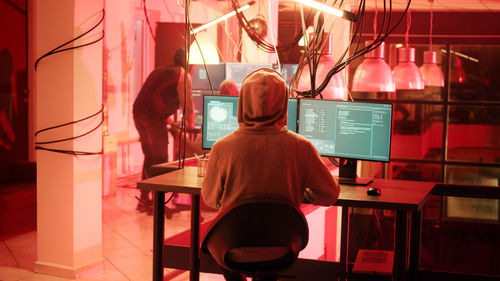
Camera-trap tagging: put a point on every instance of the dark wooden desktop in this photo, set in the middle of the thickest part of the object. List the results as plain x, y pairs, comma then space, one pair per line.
406, 198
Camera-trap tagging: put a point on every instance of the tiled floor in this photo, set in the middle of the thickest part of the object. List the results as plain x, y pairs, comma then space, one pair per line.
127, 245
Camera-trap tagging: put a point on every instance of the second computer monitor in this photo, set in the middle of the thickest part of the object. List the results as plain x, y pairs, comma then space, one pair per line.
237, 71
353, 130
220, 117
203, 75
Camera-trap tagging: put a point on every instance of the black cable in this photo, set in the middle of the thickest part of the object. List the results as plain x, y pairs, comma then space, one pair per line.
70, 152
58, 48
334, 161
15, 7
147, 19
377, 41
75, 137
72, 122
146, 203
259, 40
182, 142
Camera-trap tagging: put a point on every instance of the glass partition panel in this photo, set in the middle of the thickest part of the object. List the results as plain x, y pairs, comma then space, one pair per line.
474, 133
414, 171
417, 131
474, 74
472, 208
474, 175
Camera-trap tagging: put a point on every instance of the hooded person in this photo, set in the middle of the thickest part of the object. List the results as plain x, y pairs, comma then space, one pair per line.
262, 160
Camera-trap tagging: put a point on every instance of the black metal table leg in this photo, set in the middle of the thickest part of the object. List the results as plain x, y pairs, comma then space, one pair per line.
414, 262
194, 260
400, 246
158, 234
344, 236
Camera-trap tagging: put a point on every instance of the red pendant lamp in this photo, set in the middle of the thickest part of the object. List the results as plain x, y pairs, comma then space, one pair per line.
373, 74
431, 72
406, 74
336, 89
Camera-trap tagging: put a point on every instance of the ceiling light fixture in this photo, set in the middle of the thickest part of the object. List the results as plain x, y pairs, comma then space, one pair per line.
205, 53
224, 17
431, 72
329, 9
336, 89
373, 74
406, 74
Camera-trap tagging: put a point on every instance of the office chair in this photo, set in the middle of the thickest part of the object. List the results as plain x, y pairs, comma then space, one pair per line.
239, 237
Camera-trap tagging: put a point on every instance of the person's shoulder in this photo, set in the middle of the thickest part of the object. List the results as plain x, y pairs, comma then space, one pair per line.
301, 142
297, 137
226, 140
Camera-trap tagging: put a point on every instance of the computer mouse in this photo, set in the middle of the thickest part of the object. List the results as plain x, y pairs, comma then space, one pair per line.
373, 191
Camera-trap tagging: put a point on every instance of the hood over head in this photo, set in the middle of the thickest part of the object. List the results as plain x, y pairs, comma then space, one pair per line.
263, 100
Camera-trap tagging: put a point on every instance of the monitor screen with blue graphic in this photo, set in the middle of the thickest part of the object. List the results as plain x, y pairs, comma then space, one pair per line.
220, 117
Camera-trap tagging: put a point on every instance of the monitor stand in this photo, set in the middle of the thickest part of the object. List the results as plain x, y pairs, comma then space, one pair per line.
347, 173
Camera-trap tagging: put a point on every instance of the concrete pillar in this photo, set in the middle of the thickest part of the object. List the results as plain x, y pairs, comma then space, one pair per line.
68, 87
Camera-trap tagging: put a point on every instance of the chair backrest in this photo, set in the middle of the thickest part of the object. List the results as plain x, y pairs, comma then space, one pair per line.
261, 225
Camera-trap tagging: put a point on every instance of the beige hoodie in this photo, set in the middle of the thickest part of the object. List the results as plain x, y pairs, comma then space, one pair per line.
262, 159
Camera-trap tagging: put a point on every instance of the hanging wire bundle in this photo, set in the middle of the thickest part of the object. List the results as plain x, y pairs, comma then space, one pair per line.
316, 42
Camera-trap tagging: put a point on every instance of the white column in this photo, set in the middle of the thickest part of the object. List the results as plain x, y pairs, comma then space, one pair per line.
68, 87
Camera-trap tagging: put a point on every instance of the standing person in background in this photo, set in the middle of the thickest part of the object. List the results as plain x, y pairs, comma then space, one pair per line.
228, 88
161, 95
262, 160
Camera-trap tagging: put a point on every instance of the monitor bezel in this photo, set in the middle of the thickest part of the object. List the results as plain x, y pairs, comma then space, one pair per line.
203, 123
357, 102
254, 67
209, 67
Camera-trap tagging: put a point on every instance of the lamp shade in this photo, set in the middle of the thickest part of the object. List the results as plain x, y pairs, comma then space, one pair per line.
431, 72
336, 87
373, 74
406, 74
209, 50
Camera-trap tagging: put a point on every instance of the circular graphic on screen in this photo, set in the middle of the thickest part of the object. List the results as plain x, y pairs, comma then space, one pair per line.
218, 114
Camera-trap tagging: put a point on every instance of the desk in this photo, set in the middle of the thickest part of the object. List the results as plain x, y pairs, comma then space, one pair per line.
405, 197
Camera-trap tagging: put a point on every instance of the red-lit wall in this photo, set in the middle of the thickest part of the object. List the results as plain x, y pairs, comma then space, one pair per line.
13, 103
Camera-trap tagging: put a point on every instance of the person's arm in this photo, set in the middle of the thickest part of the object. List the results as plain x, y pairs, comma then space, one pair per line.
321, 186
190, 114
212, 186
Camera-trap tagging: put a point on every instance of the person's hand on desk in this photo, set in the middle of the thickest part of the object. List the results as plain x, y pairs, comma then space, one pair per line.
311, 198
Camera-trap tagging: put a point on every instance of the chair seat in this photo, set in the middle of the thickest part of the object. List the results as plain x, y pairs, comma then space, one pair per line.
257, 237
256, 254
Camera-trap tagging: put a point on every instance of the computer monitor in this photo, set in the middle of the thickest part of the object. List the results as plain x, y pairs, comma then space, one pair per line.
220, 117
237, 71
291, 124
348, 130
198, 106
287, 70
200, 75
